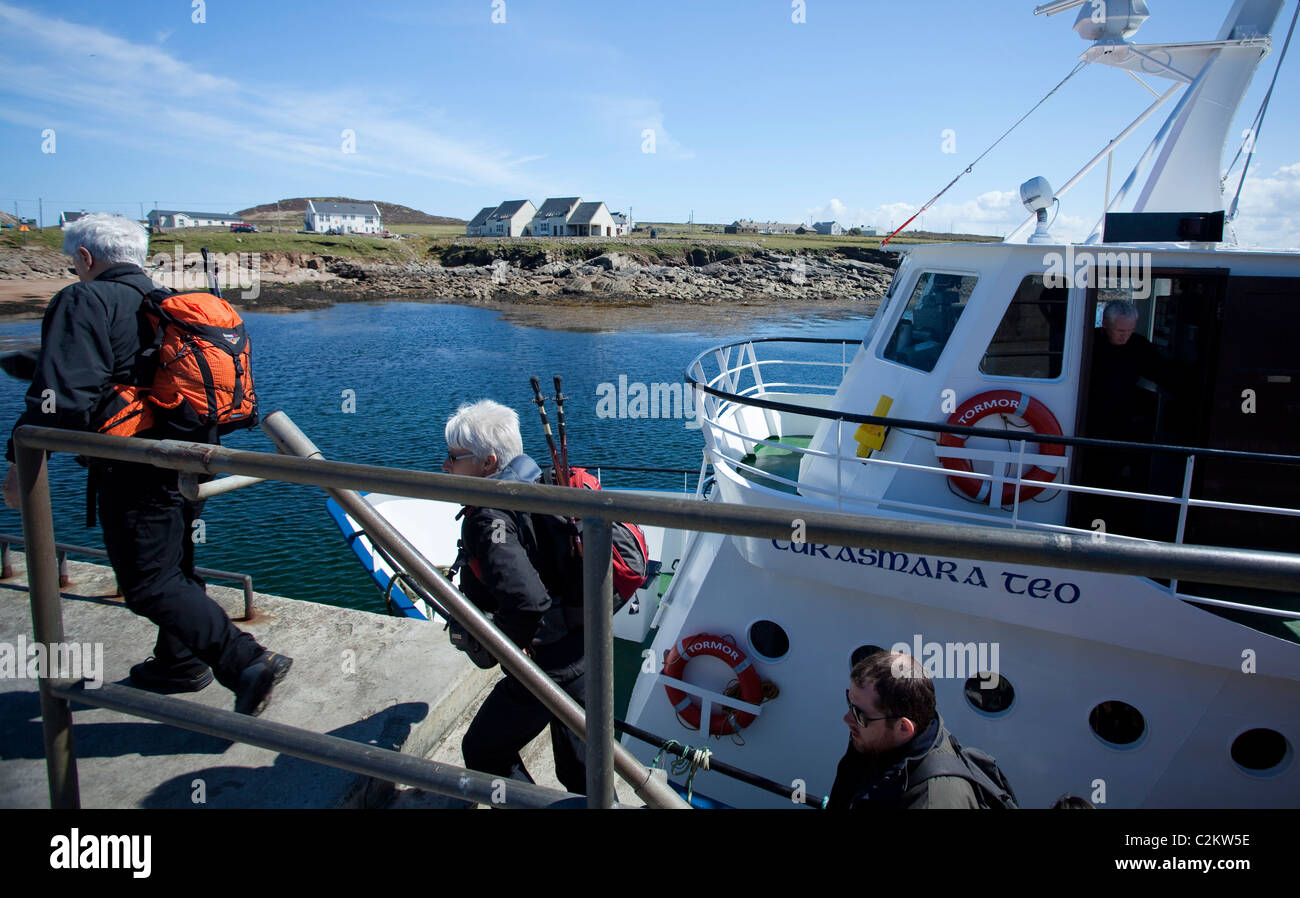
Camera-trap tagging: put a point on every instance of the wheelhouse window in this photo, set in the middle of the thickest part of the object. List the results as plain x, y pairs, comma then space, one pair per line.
929, 319
1030, 339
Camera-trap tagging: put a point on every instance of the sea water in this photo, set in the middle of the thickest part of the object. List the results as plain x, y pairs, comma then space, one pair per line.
375, 383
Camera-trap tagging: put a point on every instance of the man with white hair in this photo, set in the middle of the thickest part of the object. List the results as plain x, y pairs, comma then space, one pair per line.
93, 338
511, 570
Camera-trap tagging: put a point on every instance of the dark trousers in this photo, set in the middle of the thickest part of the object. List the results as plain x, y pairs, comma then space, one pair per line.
147, 532
511, 717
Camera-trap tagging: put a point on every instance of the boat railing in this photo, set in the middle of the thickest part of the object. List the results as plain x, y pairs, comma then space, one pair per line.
721, 417
302, 463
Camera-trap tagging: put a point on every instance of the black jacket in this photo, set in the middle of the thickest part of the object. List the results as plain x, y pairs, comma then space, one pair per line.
1114, 399
506, 572
91, 337
887, 781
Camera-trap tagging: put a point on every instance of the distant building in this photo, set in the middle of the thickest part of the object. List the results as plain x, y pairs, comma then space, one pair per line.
868, 232
170, 218
475, 226
828, 227
622, 224
590, 220
67, 218
745, 226
342, 218
510, 219
552, 219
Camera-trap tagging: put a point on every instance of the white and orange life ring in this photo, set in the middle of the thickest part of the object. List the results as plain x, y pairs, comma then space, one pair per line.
1001, 402
722, 722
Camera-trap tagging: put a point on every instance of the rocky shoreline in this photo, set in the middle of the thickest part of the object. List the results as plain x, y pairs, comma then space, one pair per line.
289, 281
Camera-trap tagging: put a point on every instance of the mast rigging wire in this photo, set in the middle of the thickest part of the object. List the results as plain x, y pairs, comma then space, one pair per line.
968, 168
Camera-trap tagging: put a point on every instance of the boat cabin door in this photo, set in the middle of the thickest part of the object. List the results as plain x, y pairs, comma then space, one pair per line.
1226, 375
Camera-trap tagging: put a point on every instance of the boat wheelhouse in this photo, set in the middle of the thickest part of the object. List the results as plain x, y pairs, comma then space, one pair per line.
1126, 689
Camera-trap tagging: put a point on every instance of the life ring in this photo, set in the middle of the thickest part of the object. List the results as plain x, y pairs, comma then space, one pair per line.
722, 722
1010, 402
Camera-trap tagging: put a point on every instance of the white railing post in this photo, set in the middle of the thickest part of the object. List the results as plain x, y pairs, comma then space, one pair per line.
1182, 511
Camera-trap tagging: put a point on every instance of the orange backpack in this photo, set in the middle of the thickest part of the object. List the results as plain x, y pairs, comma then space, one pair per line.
202, 362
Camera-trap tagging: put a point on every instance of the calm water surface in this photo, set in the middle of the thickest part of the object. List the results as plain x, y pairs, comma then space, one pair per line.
410, 366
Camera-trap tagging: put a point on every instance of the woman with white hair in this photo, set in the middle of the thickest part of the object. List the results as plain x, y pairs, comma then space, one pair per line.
509, 570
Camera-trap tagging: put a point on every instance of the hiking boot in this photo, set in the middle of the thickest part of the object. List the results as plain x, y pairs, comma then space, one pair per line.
153, 676
258, 679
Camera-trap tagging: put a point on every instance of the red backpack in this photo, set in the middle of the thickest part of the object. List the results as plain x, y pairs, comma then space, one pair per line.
202, 361
630, 559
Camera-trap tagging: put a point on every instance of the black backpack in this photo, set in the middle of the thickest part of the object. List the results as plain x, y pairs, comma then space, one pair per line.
979, 768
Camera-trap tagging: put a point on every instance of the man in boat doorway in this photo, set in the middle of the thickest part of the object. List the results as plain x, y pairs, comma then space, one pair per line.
504, 573
894, 733
1118, 409
92, 337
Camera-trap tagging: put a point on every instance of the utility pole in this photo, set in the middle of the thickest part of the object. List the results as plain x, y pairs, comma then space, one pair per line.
40, 212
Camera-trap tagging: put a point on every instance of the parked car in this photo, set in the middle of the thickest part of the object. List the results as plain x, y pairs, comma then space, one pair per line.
243, 227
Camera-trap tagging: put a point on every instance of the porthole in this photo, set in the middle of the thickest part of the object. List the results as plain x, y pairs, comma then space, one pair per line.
1260, 750
1117, 723
769, 640
990, 692
862, 651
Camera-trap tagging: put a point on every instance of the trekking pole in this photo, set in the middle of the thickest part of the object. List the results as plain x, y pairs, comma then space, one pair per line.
564, 433
213, 283
546, 426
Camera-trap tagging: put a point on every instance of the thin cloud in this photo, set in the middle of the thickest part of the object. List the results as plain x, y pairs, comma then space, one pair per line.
631, 117
142, 93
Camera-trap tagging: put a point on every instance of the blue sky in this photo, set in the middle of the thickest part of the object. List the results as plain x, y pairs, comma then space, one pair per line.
754, 115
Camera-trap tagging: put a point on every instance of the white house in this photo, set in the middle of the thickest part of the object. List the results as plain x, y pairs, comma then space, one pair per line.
828, 227
622, 224
342, 218
552, 218
170, 218
510, 219
590, 220
475, 226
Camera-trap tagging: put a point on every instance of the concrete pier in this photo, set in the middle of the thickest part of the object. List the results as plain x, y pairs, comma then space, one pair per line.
370, 678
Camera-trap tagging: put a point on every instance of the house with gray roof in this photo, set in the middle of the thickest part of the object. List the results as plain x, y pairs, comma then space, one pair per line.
342, 218
67, 218
590, 220
173, 218
828, 227
510, 219
552, 218
475, 226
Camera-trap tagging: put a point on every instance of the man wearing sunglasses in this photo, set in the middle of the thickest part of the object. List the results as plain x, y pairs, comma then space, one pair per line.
504, 572
893, 727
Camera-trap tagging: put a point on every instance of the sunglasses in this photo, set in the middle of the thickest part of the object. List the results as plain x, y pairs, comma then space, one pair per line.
861, 716
452, 459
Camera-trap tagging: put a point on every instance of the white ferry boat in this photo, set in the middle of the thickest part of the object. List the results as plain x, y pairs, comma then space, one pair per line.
1126, 690
1129, 691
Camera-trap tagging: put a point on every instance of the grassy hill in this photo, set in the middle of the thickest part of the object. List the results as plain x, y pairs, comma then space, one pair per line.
392, 213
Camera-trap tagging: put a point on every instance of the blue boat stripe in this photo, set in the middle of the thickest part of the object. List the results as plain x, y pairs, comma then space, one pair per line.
741, 666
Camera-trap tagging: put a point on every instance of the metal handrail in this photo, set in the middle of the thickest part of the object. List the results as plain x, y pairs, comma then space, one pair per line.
6, 539
1240, 567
